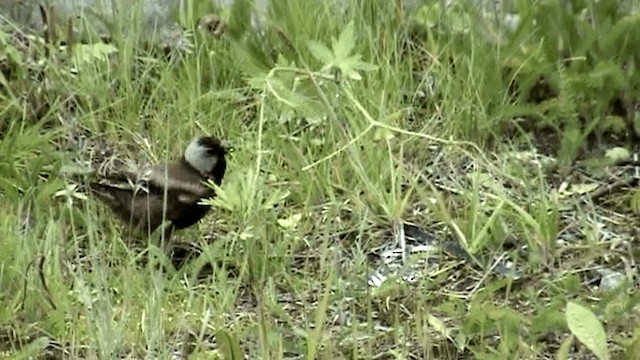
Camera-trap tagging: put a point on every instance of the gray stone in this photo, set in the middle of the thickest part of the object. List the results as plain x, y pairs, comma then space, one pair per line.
151, 20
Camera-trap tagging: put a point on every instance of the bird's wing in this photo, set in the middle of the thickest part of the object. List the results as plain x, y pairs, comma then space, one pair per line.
141, 212
124, 180
188, 187
112, 195
187, 184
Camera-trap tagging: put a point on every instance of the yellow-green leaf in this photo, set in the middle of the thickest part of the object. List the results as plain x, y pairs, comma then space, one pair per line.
587, 328
229, 345
617, 154
290, 222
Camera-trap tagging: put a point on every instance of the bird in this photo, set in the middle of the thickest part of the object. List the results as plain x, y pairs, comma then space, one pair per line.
169, 191
212, 24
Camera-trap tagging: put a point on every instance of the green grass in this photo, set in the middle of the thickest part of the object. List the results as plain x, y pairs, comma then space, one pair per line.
323, 170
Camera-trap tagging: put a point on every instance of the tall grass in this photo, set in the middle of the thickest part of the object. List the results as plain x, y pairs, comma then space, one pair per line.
324, 168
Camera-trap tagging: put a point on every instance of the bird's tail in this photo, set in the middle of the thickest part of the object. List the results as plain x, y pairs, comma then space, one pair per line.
115, 194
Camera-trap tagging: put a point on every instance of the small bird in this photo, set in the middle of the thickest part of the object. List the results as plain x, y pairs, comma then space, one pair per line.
212, 24
167, 192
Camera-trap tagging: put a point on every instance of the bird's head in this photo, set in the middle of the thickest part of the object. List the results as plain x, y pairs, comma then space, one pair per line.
207, 155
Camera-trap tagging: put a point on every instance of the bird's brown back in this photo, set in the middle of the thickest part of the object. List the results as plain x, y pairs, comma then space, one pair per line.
143, 209
140, 210
178, 177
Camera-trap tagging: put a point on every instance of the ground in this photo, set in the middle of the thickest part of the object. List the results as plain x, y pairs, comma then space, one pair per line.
395, 190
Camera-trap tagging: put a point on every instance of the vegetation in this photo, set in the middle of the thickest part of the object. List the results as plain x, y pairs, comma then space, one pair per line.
357, 128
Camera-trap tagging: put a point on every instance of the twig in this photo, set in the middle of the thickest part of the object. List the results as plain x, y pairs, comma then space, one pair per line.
40, 259
44, 282
613, 187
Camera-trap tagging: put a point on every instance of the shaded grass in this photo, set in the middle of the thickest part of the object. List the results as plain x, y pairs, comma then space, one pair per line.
301, 241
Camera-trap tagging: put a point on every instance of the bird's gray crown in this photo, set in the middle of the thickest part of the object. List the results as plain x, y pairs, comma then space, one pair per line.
203, 153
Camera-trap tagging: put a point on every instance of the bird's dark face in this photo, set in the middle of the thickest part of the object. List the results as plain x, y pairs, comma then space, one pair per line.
214, 146
207, 155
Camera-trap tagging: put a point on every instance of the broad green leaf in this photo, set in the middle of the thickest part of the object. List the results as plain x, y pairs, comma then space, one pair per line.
348, 72
343, 47
349, 66
617, 154
364, 66
282, 92
250, 59
320, 52
439, 325
587, 328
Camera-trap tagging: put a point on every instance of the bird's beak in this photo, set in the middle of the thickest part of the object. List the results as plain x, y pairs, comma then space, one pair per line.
229, 146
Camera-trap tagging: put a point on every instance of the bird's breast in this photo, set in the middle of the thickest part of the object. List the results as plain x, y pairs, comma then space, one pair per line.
190, 215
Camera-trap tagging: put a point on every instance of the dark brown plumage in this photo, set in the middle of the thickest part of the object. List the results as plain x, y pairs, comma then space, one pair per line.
139, 200
212, 24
